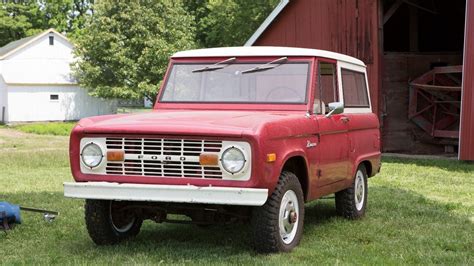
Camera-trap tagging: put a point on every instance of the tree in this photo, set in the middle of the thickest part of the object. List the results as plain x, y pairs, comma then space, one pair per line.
124, 49
19, 19
227, 22
16, 20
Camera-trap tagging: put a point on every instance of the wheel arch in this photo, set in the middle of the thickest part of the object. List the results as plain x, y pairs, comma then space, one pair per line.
298, 165
368, 167
372, 163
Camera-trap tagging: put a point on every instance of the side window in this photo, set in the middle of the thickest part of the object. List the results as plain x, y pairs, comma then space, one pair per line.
327, 88
354, 88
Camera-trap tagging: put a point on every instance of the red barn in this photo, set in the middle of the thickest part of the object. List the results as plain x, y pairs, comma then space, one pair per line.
420, 59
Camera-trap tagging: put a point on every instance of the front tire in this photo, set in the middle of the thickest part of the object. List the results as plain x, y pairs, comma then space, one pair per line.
110, 222
278, 224
352, 202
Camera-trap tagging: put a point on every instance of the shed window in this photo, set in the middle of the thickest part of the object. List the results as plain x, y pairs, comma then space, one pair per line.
51, 40
355, 89
54, 97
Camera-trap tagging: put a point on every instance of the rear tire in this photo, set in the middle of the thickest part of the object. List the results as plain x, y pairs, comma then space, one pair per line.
278, 224
352, 202
108, 223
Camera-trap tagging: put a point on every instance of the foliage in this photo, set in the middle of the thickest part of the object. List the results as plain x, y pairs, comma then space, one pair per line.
228, 22
419, 212
124, 49
53, 128
19, 19
124, 46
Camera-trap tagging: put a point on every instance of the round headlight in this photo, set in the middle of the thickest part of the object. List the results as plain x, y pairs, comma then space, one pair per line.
91, 155
233, 160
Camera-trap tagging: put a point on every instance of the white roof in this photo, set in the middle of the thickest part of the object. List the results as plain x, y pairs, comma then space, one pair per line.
266, 51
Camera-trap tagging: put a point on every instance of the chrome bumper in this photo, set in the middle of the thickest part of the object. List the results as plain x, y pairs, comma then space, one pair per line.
166, 193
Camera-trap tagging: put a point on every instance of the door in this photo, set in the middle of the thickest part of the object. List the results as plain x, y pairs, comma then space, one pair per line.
363, 131
333, 130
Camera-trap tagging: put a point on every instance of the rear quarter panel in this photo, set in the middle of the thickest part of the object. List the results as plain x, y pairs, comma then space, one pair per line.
364, 141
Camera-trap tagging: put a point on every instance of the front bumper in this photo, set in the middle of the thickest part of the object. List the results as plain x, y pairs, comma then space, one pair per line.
166, 193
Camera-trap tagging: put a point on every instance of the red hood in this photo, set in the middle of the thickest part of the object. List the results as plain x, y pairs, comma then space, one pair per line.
185, 122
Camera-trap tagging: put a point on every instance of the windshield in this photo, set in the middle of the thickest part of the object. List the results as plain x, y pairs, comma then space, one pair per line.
234, 83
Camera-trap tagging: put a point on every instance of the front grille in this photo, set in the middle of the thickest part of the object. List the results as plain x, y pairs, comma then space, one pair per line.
163, 157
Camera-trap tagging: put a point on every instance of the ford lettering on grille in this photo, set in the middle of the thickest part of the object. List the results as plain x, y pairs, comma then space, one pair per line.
163, 157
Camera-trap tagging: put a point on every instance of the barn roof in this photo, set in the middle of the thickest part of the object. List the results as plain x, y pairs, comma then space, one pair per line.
266, 51
14, 46
267, 22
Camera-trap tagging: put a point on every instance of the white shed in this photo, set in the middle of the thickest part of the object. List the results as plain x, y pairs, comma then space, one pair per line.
36, 82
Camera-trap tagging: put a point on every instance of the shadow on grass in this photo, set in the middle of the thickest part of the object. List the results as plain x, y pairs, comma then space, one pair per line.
449, 165
395, 218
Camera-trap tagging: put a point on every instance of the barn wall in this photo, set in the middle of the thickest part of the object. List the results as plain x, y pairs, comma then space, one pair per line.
466, 147
344, 26
29, 103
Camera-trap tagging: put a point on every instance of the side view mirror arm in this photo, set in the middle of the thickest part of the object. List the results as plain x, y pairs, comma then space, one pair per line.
330, 113
335, 108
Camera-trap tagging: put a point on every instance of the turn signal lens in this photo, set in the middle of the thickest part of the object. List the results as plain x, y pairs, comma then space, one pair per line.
208, 159
271, 157
115, 155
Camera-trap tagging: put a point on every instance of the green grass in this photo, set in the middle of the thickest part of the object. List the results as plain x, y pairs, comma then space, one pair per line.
64, 128
419, 212
50, 128
128, 110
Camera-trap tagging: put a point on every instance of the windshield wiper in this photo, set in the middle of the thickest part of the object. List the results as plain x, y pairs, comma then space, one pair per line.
217, 65
266, 66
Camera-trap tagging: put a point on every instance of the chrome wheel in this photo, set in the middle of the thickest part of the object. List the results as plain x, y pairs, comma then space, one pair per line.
122, 220
288, 216
359, 193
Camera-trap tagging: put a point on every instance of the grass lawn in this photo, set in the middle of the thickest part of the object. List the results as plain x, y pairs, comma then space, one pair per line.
64, 128
419, 212
48, 128
128, 110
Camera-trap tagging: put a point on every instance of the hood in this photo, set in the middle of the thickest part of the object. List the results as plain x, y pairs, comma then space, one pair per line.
185, 122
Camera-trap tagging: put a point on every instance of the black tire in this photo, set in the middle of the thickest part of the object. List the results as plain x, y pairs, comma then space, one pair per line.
265, 219
100, 222
347, 205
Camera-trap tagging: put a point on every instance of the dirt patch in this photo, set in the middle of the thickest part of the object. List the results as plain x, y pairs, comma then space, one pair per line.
11, 133
12, 140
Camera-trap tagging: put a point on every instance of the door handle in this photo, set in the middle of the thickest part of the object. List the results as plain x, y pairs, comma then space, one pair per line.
345, 119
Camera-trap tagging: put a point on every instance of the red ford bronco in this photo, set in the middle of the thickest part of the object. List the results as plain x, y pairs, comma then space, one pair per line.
244, 134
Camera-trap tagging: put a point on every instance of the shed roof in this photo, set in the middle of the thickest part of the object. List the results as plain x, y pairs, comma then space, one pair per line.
14, 46
266, 51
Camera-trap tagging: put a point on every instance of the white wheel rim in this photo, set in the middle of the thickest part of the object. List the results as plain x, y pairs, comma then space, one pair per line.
289, 217
120, 229
359, 190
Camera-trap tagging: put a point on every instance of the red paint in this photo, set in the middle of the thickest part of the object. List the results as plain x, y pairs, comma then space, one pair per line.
338, 143
466, 142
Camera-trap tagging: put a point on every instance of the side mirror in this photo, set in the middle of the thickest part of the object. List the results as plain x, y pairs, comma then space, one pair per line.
335, 108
